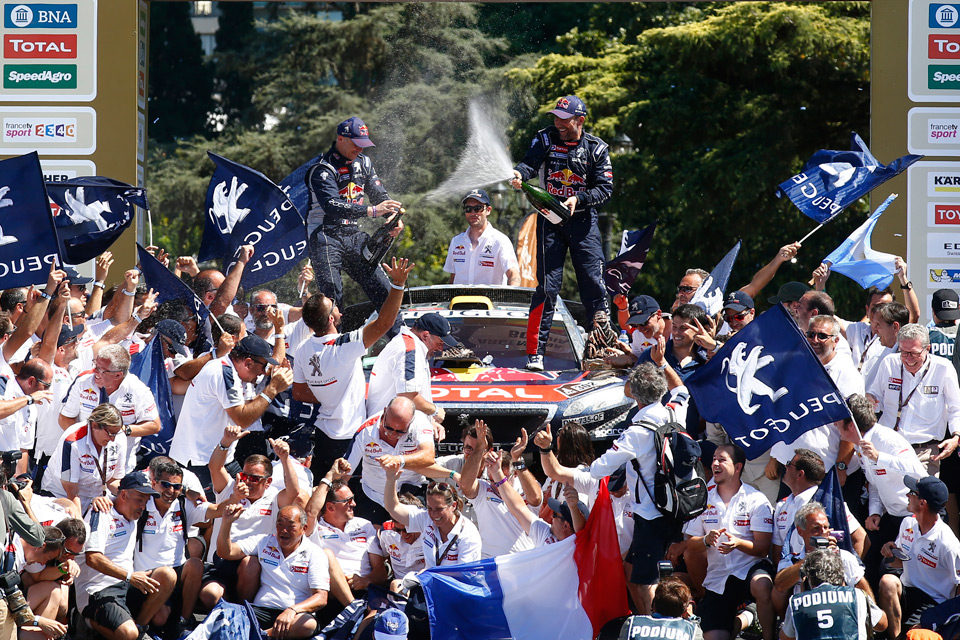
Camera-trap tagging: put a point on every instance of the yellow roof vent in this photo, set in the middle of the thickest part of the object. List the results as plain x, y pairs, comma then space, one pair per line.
471, 302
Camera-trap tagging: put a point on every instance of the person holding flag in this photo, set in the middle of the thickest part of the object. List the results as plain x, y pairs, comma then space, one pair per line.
341, 184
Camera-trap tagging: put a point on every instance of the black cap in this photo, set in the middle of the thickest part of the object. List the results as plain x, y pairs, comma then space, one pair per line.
138, 481
74, 276
177, 334
253, 346
738, 301
641, 308
68, 333
477, 194
930, 489
438, 326
946, 304
562, 509
790, 292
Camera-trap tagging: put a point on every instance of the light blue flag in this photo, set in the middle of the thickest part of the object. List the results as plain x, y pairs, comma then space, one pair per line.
710, 294
857, 260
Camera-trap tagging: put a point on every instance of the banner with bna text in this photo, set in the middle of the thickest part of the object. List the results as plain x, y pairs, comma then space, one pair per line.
28, 239
244, 207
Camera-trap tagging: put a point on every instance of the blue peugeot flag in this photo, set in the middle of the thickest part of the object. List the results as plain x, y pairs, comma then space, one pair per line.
91, 214
149, 367
857, 259
620, 273
28, 241
245, 207
168, 286
295, 186
765, 385
830, 495
709, 296
833, 180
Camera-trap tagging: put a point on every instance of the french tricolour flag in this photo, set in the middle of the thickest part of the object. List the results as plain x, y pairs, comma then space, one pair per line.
565, 590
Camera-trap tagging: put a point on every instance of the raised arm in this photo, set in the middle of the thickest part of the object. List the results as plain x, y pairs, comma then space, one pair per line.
543, 439
397, 272
473, 463
763, 277
227, 290
291, 484
514, 501
391, 501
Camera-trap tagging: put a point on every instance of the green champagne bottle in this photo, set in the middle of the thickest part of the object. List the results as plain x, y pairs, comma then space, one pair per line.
379, 243
548, 206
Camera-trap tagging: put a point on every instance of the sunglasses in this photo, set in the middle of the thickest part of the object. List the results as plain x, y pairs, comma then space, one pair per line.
263, 307
477, 209
67, 552
442, 486
819, 335
79, 314
112, 434
396, 431
343, 500
735, 316
176, 486
46, 385
249, 478
262, 363
685, 289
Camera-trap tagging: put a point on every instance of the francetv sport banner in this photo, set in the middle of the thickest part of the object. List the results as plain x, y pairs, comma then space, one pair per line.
28, 239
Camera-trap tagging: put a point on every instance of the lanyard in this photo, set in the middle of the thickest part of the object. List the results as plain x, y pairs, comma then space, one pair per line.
901, 403
436, 550
102, 470
866, 347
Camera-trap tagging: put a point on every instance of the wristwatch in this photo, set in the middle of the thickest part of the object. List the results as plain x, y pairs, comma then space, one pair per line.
30, 400
841, 466
519, 465
127, 430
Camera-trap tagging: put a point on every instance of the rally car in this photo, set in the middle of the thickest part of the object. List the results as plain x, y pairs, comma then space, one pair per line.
490, 381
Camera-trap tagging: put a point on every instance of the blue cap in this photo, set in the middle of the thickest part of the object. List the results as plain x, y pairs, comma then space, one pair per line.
68, 333
74, 276
354, 129
391, 625
477, 194
641, 308
437, 325
569, 106
138, 481
738, 301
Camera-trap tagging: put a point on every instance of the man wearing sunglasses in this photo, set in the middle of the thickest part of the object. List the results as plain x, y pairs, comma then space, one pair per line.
481, 254
646, 322
18, 427
738, 310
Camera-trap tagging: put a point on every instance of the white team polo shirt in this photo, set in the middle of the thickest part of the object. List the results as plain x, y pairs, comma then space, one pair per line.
466, 548
204, 417
896, 459
404, 558
48, 429
115, 537
18, 430
487, 263
164, 544
367, 448
934, 564
351, 546
331, 366
258, 518
285, 581
401, 367
77, 460
748, 512
935, 402
502, 533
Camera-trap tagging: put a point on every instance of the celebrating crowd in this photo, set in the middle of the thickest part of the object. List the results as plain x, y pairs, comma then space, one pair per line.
303, 519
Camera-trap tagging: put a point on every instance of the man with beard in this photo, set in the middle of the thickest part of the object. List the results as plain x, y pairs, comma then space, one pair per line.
327, 367
481, 254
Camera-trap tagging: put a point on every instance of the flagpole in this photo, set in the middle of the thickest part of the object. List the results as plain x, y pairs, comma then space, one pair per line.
150, 226
304, 287
58, 261
800, 241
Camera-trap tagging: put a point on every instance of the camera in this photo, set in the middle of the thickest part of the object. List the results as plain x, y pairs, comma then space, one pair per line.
665, 569
19, 609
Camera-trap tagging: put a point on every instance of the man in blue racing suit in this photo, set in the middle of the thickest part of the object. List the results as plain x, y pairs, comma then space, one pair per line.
341, 185
574, 167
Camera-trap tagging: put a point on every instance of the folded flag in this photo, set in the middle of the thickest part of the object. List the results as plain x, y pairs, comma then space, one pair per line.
766, 385
168, 286
245, 207
569, 589
833, 180
856, 258
620, 273
709, 295
148, 366
91, 213
28, 240
830, 495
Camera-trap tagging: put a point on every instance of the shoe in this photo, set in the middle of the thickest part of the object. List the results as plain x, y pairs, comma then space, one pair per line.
535, 363
751, 629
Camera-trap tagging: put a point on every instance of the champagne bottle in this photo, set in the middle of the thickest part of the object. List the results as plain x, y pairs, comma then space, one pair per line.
548, 206
379, 243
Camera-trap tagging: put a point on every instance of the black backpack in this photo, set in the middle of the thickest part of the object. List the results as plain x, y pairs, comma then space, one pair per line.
679, 487
142, 522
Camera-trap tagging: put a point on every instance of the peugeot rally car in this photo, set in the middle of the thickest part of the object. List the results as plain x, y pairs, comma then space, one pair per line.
491, 383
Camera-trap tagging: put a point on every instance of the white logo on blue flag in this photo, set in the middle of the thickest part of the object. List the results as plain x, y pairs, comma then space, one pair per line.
28, 242
709, 295
766, 385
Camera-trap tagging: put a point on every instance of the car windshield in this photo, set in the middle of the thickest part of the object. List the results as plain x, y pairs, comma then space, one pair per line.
505, 339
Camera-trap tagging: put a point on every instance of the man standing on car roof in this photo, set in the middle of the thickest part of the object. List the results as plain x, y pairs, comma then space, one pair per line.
575, 167
338, 185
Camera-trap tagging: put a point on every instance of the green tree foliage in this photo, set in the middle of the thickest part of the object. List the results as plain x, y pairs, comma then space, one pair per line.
180, 81
233, 69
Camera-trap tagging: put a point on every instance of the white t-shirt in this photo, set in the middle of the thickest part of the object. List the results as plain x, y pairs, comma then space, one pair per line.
115, 537
747, 513
932, 407
501, 532
404, 558
285, 581
934, 564
466, 548
216, 388
17, 431
401, 367
487, 263
331, 367
48, 413
163, 540
352, 546
258, 518
77, 460
367, 448
541, 533
304, 475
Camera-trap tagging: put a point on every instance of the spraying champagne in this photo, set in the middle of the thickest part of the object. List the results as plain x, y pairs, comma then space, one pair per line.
380, 242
